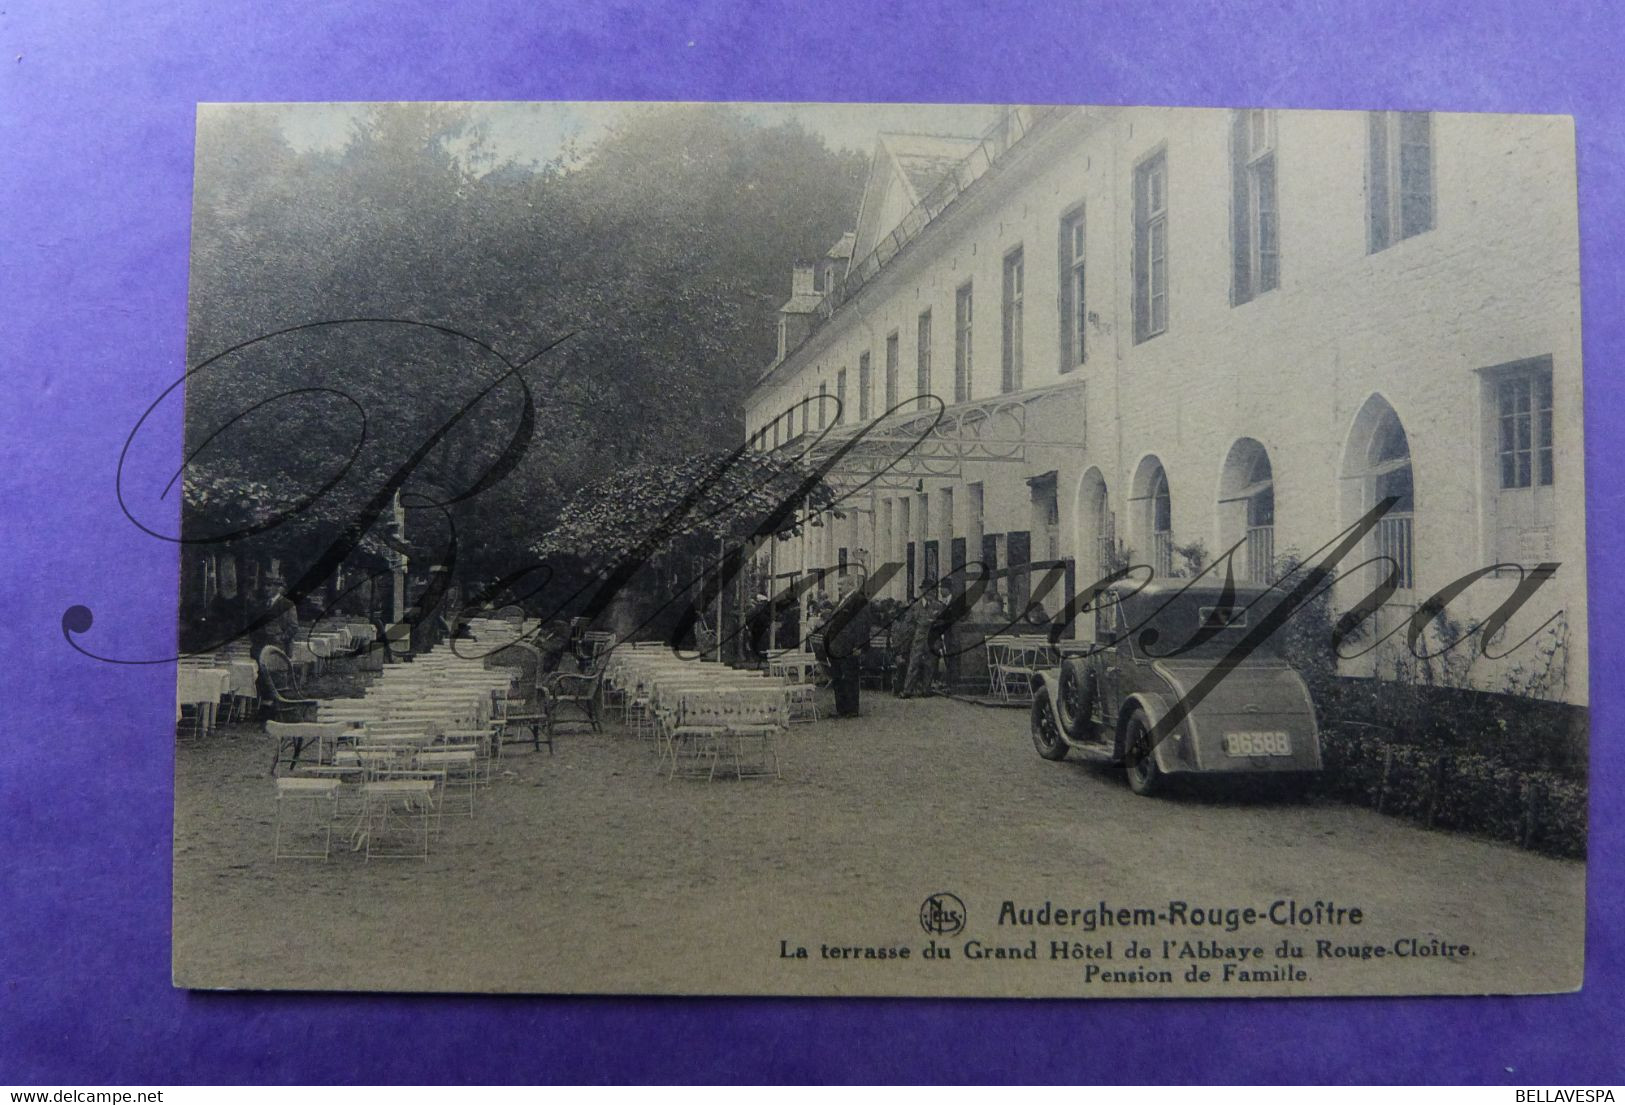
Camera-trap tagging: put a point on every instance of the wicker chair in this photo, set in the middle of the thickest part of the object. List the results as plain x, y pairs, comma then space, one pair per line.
282, 701
280, 692
573, 690
524, 709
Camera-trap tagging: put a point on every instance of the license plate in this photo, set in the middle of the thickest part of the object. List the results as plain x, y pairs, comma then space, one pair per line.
1258, 744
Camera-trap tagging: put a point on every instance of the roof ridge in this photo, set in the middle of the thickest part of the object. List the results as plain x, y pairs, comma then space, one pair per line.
927, 134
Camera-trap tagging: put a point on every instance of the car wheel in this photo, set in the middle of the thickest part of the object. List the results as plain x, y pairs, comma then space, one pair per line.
1046, 733
1139, 757
1075, 702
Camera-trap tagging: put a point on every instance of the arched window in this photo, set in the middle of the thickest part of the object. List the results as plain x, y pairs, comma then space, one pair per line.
1377, 466
1154, 530
1247, 509
1162, 524
1096, 537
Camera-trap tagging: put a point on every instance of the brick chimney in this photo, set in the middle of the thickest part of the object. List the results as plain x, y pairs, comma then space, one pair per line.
802, 279
795, 317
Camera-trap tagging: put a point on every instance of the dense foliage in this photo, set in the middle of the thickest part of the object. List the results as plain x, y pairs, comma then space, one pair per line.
658, 257
684, 508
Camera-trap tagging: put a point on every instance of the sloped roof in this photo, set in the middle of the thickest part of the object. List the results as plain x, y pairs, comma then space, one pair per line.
905, 168
842, 250
927, 158
803, 304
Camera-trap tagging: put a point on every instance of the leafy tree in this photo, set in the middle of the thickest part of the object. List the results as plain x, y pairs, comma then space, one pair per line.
660, 258
686, 507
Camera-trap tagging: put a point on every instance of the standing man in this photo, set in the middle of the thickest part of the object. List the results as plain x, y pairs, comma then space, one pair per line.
921, 625
846, 639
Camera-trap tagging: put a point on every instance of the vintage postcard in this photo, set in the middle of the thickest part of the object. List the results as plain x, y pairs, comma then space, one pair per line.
884, 549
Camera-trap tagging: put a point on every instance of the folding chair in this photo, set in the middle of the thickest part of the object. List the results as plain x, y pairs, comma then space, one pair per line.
455, 764
296, 736
700, 725
396, 811
758, 714
306, 804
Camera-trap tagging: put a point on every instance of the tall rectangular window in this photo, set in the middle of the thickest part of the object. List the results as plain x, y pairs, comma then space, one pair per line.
922, 359
891, 371
1255, 230
823, 404
840, 396
865, 386
1399, 176
962, 344
1521, 510
1151, 247
1074, 304
1014, 278
1525, 408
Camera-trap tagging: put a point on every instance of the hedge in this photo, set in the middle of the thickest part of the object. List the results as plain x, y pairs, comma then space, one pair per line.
1452, 789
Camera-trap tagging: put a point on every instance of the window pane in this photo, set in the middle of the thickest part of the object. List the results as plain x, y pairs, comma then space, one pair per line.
922, 363
1241, 228
1415, 173
891, 371
1158, 277
1268, 247
1377, 179
1016, 333
1142, 283
1149, 245
1080, 317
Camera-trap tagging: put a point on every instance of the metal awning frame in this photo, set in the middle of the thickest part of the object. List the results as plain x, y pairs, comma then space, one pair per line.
897, 452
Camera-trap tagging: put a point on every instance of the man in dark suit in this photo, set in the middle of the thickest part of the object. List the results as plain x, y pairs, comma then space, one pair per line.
846, 638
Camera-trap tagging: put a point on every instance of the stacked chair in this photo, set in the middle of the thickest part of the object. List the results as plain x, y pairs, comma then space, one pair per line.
387, 766
701, 718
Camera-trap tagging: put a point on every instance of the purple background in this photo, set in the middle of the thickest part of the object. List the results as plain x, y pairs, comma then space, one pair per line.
96, 109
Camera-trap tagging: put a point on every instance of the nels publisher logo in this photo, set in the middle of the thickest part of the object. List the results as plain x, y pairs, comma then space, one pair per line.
942, 915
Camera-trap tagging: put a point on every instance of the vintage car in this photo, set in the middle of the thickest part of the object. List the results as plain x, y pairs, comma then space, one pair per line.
1153, 647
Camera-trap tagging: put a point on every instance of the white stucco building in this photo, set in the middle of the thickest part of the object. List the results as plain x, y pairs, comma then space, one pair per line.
1153, 329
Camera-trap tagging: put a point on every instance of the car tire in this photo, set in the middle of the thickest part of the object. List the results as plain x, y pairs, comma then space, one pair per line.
1145, 778
1075, 702
1045, 729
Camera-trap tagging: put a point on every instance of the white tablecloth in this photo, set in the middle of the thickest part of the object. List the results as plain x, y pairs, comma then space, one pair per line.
201, 687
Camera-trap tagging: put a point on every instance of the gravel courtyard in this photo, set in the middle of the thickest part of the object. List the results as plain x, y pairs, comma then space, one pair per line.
584, 871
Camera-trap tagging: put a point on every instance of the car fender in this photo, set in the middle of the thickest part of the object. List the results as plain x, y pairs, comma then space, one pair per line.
1048, 682
1155, 707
